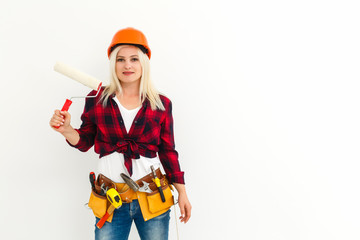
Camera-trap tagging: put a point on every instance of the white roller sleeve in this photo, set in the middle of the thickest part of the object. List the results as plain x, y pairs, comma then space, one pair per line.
75, 74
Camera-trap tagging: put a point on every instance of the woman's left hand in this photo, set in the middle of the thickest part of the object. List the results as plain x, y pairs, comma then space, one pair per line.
184, 203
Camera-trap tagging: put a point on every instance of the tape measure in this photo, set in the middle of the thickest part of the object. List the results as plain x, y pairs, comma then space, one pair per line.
114, 197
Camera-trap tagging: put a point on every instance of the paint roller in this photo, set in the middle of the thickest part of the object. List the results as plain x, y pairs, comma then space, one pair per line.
81, 77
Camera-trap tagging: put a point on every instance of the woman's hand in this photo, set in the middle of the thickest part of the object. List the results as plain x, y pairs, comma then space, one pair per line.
60, 121
184, 203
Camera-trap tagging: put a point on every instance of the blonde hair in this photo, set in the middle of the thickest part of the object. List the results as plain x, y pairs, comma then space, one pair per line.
146, 90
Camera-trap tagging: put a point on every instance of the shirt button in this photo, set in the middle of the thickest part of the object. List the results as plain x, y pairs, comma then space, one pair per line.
135, 121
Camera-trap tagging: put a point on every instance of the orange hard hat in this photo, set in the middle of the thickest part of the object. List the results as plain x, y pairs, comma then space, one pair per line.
130, 36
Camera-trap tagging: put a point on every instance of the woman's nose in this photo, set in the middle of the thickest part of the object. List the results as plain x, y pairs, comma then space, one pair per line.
127, 64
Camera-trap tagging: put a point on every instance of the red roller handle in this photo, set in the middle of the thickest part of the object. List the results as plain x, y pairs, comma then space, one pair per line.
65, 107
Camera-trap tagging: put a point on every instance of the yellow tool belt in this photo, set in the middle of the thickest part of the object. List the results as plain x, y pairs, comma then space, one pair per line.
150, 203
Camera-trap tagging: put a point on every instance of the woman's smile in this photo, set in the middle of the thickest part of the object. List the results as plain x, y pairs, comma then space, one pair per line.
127, 73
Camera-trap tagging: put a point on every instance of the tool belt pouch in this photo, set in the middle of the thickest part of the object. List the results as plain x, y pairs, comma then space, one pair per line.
154, 199
98, 203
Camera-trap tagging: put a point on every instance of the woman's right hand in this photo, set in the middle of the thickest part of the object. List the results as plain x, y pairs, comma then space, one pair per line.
60, 121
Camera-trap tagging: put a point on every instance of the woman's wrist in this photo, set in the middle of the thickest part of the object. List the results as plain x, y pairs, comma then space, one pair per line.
71, 135
180, 188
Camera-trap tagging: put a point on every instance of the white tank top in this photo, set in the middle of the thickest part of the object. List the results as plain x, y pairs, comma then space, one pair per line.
113, 164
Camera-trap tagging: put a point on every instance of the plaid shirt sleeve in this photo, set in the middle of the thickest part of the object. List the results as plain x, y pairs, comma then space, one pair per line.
167, 153
87, 130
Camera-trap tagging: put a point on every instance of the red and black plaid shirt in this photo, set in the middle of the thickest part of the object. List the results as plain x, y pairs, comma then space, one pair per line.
150, 133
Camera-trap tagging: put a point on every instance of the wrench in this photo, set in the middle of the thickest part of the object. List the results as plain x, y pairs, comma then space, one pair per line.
145, 188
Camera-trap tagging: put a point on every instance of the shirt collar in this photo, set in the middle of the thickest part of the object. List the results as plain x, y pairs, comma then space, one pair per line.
145, 103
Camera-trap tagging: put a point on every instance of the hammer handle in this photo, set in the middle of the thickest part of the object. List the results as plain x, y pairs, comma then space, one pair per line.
106, 216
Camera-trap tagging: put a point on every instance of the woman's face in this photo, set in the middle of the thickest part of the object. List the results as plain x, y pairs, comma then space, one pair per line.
128, 67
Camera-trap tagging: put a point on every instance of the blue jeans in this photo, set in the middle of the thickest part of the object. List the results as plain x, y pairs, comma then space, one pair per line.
119, 229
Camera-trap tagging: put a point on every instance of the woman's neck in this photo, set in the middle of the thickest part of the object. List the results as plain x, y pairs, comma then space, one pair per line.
130, 97
130, 89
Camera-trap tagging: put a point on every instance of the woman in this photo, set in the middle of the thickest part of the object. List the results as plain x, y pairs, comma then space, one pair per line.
130, 125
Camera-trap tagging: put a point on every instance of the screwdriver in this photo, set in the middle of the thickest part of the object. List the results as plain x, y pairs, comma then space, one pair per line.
156, 180
92, 180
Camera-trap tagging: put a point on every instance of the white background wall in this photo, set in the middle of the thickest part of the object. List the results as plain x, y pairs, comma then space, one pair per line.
266, 108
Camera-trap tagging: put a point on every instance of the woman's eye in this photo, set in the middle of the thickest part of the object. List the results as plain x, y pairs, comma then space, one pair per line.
120, 60
134, 59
